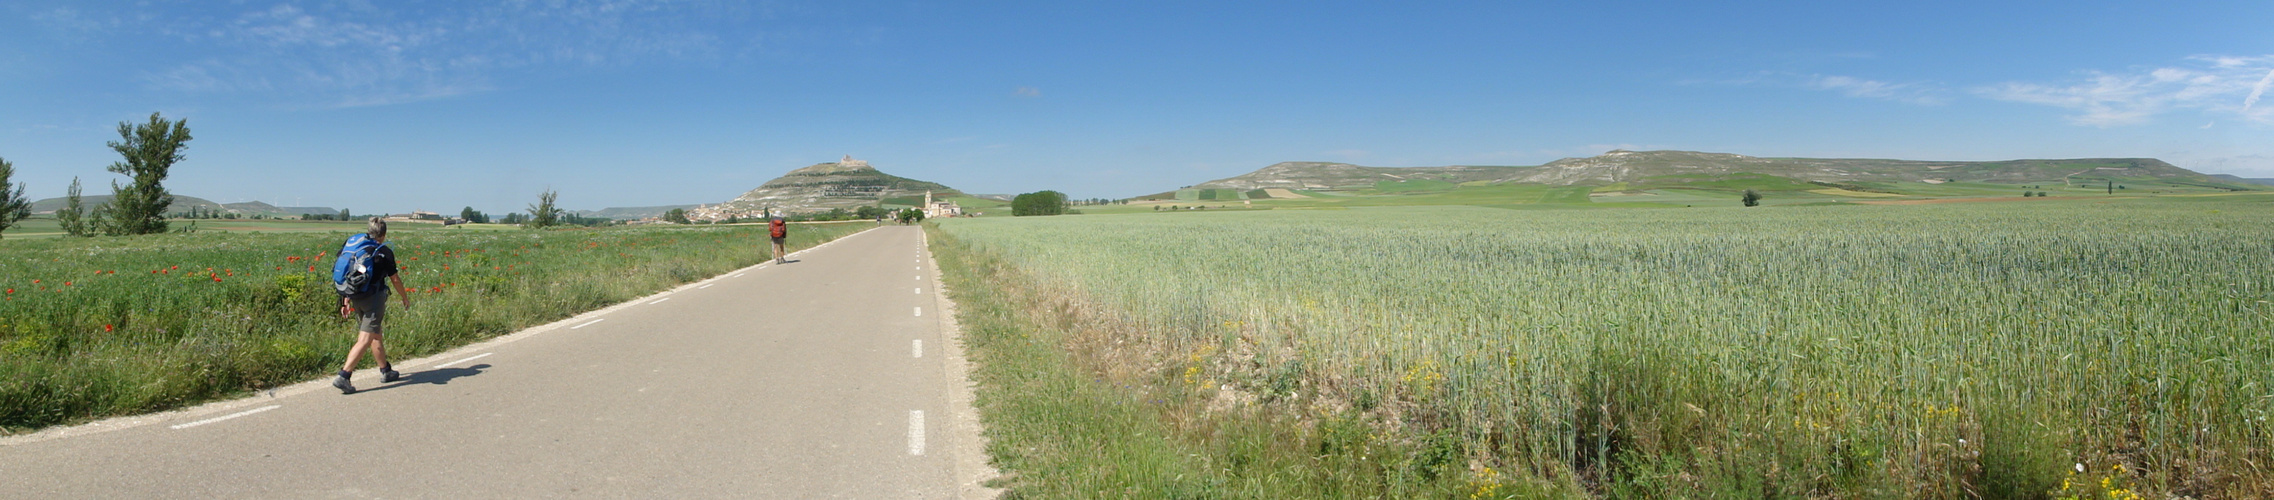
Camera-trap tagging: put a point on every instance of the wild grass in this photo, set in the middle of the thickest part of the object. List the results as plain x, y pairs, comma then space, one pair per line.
110, 326
2086, 350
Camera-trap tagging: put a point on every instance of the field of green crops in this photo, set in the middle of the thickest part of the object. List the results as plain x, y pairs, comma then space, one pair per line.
2113, 349
94, 327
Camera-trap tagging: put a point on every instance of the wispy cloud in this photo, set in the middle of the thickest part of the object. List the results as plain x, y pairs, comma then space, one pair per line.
1914, 93
347, 55
1922, 93
2228, 85
2257, 90
1027, 92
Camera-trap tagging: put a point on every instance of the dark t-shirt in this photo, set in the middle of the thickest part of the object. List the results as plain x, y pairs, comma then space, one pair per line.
382, 265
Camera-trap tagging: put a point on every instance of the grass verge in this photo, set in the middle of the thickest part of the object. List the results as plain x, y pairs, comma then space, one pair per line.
100, 327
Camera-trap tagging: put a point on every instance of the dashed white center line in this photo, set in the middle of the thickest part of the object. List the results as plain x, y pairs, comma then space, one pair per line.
915, 448
736, 275
918, 347
588, 323
705, 286
475, 357
919, 278
919, 310
659, 301
916, 432
919, 291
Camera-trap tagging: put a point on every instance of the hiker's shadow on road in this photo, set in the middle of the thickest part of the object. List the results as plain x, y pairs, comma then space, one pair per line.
439, 376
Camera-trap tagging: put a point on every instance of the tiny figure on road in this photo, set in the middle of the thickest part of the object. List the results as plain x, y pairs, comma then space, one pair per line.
363, 262
780, 230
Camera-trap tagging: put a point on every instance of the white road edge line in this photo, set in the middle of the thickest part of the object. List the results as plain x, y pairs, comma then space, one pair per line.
659, 301
477, 356
918, 448
736, 275
916, 432
705, 286
919, 347
588, 323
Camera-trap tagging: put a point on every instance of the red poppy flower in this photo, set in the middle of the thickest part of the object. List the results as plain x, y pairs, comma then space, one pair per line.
35, 282
216, 279
11, 291
106, 328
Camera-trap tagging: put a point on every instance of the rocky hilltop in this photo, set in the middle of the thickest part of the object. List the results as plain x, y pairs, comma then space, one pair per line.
846, 184
1637, 166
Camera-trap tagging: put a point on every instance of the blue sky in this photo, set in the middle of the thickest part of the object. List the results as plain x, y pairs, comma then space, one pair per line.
409, 105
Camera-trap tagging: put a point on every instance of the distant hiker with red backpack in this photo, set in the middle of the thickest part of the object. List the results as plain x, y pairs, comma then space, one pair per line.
363, 262
781, 231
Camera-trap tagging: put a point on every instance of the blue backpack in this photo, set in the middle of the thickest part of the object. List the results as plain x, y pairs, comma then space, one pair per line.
351, 274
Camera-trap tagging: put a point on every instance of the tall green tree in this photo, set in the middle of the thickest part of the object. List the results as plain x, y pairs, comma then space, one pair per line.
1752, 198
73, 216
344, 215
1039, 203
544, 213
13, 206
473, 216
151, 150
676, 216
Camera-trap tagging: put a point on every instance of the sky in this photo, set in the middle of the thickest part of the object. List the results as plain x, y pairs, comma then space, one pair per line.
408, 105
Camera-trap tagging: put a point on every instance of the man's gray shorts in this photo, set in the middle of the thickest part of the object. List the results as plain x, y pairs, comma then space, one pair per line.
370, 310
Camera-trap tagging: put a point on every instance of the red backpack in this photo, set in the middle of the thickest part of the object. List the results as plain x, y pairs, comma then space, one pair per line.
779, 229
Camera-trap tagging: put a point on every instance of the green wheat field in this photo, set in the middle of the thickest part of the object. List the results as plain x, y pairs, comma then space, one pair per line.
2109, 349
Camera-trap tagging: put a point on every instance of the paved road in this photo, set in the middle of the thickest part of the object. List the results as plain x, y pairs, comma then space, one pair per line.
829, 376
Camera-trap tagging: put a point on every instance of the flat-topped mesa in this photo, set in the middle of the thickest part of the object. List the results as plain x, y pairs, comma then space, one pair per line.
1619, 165
846, 183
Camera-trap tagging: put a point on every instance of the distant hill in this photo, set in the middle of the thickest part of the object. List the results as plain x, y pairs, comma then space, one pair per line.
1320, 175
185, 203
846, 184
2246, 180
630, 213
1670, 168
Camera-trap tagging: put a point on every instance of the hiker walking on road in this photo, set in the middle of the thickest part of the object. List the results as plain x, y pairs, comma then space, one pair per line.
780, 231
363, 262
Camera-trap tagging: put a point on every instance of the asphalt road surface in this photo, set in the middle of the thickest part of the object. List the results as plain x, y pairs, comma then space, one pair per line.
834, 375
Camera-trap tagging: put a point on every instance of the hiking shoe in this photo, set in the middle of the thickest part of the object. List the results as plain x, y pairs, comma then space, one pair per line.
341, 383
390, 376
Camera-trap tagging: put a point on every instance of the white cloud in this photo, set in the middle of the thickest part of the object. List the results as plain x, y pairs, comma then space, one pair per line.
1027, 92
2213, 84
1914, 93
